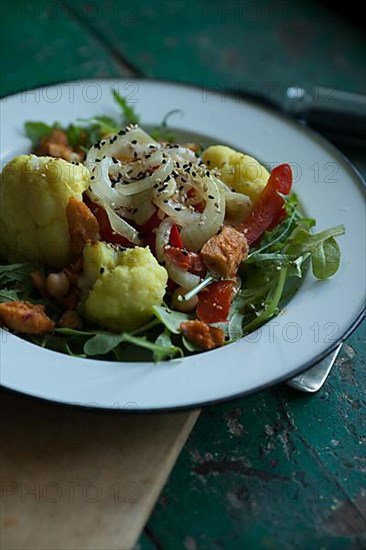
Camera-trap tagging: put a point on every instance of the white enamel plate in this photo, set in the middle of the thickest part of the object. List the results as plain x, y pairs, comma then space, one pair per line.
319, 316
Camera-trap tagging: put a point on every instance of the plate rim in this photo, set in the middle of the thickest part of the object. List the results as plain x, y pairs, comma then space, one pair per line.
360, 315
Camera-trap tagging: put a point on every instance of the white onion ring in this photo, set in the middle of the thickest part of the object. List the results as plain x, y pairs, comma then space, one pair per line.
144, 184
121, 227
118, 145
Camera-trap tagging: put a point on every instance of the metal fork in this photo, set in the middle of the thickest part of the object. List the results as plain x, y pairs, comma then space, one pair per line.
312, 380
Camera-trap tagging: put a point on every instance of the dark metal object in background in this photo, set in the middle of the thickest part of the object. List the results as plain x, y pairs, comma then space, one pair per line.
313, 379
338, 115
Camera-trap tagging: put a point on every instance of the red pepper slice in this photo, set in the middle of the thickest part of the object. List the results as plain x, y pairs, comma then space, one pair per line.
151, 224
149, 236
269, 209
214, 302
147, 231
106, 232
175, 238
187, 261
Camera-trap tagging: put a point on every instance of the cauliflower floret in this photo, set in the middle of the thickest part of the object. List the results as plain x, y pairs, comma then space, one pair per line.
125, 285
240, 172
34, 192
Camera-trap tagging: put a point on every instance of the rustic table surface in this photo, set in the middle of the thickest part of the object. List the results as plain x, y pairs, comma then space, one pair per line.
277, 469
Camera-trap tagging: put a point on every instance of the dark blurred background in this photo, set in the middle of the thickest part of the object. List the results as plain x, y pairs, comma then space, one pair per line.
264, 45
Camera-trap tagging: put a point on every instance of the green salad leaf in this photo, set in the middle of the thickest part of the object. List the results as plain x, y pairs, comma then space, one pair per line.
15, 281
171, 319
162, 131
8, 295
87, 131
128, 113
164, 348
326, 259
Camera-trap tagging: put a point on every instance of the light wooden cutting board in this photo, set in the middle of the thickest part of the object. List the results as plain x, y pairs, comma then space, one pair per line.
75, 479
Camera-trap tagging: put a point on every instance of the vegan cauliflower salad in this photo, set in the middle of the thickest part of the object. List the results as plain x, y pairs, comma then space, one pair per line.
116, 239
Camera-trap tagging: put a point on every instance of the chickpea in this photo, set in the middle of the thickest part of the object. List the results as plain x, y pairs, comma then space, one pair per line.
57, 284
183, 306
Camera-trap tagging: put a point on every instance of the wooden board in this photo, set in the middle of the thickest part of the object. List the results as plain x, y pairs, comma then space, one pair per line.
74, 479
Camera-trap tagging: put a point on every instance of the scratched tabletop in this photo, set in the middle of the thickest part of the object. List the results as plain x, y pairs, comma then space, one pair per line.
278, 469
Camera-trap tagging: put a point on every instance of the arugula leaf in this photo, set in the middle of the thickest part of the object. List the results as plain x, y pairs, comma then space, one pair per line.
326, 259
171, 319
103, 342
8, 295
296, 266
322, 247
164, 348
302, 241
156, 348
16, 277
235, 327
190, 346
75, 332
129, 115
271, 303
162, 132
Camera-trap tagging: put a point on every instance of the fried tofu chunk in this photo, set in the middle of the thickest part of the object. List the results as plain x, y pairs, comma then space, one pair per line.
57, 145
202, 335
83, 226
25, 317
223, 253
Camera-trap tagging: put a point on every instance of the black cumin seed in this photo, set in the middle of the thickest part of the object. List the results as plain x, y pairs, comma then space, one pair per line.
101, 270
211, 197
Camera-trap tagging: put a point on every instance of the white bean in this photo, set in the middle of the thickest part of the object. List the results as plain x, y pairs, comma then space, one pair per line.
57, 284
182, 305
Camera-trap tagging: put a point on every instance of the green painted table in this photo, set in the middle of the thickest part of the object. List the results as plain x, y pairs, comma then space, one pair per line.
277, 469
